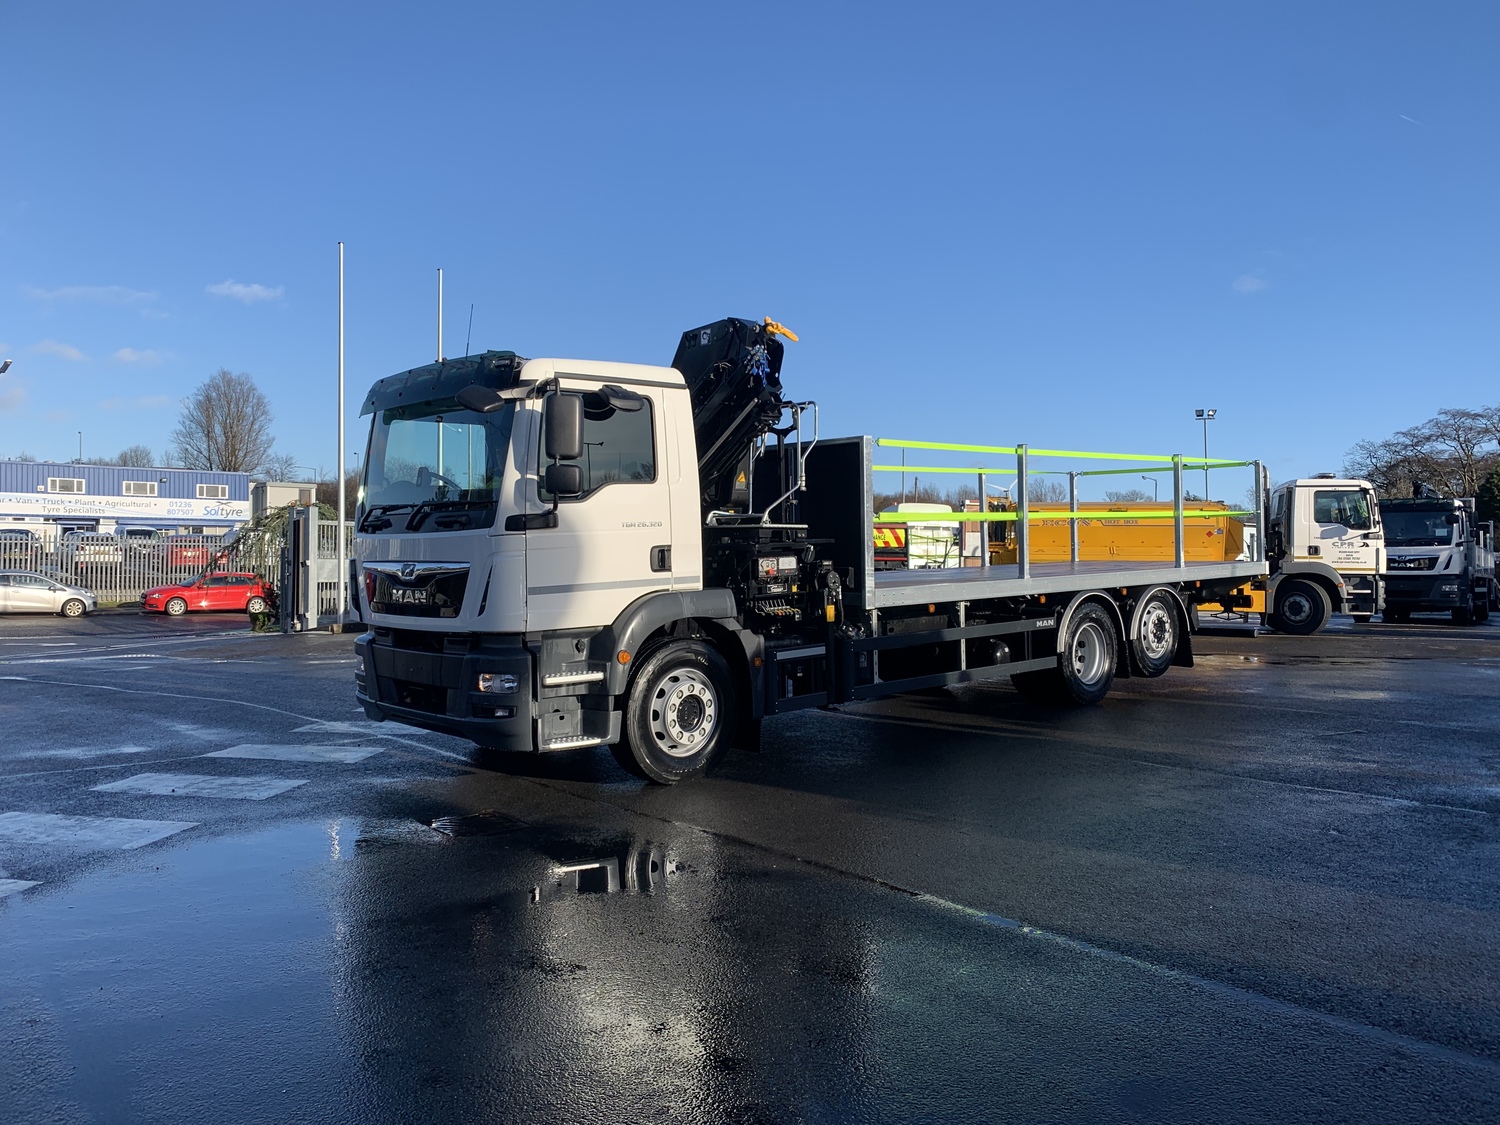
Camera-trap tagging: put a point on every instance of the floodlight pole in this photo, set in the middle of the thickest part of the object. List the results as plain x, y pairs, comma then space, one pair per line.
343, 584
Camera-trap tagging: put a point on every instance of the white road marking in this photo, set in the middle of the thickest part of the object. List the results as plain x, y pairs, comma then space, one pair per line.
11, 886
96, 832
342, 754
340, 726
201, 785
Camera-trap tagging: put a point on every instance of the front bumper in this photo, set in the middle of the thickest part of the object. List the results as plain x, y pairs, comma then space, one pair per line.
436, 688
1417, 591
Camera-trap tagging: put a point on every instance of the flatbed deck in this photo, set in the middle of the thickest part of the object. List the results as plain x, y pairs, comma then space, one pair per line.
896, 588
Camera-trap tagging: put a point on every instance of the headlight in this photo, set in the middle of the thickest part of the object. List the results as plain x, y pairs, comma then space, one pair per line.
498, 683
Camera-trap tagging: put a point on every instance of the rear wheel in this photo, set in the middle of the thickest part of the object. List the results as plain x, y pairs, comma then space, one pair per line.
679, 712
73, 607
256, 604
1154, 645
175, 607
1302, 608
1086, 662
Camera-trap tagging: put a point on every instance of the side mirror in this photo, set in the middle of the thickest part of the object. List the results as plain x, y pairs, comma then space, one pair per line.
564, 480
562, 431
1452, 518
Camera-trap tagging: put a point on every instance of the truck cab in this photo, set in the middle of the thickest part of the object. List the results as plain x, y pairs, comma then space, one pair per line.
462, 533
1439, 559
1327, 552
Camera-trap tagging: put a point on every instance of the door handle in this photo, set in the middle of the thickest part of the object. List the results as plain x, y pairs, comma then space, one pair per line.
661, 558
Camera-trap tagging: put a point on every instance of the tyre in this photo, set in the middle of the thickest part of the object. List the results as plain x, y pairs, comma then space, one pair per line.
176, 607
1482, 610
679, 713
74, 607
1154, 644
1463, 614
1361, 618
1086, 662
1302, 607
256, 604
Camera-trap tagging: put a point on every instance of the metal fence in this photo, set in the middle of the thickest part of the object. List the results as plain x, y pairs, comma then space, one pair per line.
117, 570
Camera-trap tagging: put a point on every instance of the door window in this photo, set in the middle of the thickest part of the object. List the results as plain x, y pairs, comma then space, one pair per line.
619, 447
1348, 507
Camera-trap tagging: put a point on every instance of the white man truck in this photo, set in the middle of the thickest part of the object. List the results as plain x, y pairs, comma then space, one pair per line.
556, 554
1326, 551
1439, 559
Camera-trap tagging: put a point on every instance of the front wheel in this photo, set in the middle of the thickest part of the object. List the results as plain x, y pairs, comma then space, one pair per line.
1302, 608
679, 711
74, 607
1464, 614
256, 605
176, 607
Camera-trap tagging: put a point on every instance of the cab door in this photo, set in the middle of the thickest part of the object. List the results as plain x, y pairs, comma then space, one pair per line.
1342, 529
612, 544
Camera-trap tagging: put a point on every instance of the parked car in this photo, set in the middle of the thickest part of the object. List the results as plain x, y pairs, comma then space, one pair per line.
141, 540
242, 592
23, 591
19, 546
188, 551
90, 549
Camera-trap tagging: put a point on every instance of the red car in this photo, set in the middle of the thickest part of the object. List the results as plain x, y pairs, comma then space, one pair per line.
243, 592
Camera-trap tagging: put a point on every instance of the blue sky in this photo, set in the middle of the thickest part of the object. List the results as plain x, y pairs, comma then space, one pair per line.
1067, 224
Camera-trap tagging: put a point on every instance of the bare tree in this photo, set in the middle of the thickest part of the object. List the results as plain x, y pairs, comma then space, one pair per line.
1454, 451
283, 466
225, 425
1128, 496
135, 457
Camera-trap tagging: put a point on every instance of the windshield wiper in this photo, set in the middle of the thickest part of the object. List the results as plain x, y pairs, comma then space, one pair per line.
369, 522
427, 507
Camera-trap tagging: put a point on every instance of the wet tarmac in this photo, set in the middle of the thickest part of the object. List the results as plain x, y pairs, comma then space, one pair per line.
1262, 889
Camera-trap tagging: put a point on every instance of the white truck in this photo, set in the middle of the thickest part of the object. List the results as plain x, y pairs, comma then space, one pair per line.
1326, 551
554, 554
1439, 559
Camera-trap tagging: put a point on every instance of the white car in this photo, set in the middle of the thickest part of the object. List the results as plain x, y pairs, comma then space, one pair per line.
22, 591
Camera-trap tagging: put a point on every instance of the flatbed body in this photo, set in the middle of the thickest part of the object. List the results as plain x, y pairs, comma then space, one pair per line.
893, 589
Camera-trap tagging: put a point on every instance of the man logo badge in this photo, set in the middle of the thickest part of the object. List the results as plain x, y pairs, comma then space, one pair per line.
408, 571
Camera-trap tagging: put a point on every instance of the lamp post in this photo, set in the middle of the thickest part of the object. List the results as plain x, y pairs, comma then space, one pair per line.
1155, 493
80, 447
1205, 416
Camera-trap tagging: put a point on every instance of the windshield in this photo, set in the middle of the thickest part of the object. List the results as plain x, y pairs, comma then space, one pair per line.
1417, 529
436, 452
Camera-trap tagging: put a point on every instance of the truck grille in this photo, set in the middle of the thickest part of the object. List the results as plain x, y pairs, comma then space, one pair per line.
1410, 562
416, 589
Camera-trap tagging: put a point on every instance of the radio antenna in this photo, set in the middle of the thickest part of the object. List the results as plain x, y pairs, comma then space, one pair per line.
440, 315
470, 334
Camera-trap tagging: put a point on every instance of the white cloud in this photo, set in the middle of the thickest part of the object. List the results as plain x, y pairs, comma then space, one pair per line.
146, 357
249, 292
62, 351
1250, 283
101, 294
